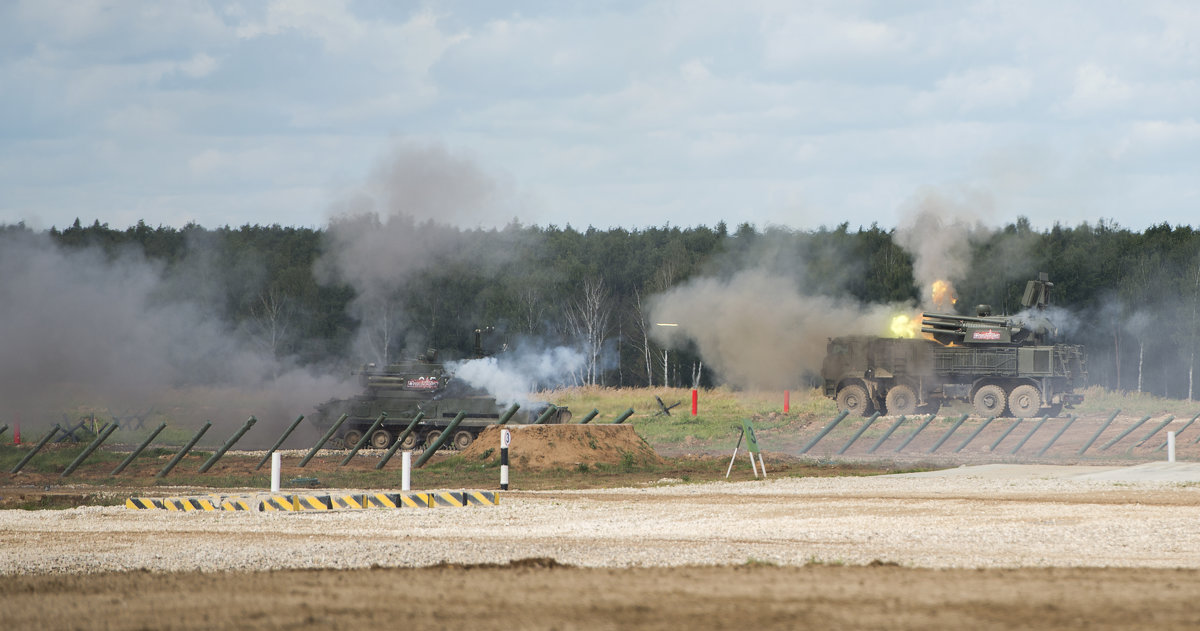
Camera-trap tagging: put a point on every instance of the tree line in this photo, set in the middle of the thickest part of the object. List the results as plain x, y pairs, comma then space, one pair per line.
1132, 297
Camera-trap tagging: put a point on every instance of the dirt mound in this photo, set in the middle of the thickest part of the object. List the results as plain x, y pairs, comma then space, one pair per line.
541, 447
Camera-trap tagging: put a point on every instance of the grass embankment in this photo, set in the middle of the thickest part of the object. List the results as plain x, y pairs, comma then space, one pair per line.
719, 415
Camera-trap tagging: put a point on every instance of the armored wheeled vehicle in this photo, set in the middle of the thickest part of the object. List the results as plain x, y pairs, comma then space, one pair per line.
1001, 365
422, 385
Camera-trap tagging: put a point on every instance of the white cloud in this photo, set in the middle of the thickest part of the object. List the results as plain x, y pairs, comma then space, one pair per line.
1096, 89
987, 88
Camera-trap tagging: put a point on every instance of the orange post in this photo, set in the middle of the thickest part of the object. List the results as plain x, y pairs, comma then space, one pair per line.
787, 401
695, 400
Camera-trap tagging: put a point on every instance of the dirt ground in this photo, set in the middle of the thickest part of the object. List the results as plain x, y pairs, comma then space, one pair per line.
539, 594
543, 593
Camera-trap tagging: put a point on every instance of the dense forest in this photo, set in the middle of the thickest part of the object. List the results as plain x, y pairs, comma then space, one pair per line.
372, 291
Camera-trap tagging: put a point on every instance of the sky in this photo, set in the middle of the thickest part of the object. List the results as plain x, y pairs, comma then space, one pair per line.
594, 113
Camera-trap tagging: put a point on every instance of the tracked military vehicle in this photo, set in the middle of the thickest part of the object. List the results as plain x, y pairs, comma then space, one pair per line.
1000, 364
422, 385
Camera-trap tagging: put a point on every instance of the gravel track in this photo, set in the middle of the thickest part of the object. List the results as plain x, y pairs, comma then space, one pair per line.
928, 522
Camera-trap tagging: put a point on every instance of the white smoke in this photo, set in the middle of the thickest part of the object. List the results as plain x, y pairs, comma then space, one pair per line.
512, 377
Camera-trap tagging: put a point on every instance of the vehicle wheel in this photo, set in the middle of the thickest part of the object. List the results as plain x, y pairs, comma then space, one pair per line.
930, 408
1024, 401
410, 442
463, 439
901, 400
381, 439
989, 400
431, 438
853, 399
351, 438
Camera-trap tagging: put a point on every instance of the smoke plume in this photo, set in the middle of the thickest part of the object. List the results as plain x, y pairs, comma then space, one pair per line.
82, 327
939, 233
757, 329
403, 222
512, 376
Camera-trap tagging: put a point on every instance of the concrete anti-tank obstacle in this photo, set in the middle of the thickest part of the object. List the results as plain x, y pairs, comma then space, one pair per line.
828, 428
888, 434
228, 444
914, 434
1185, 426
1154, 431
324, 439
1029, 435
857, 434
949, 433
978, 431
36, 448
288, 432
140, 448
1008, 431
412, 426
1103, 427
429, 451
1062, 430
100, 438
1125, 433
183, 451
508, 414
362, 440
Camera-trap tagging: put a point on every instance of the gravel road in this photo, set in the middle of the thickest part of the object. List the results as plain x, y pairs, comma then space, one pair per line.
948, 521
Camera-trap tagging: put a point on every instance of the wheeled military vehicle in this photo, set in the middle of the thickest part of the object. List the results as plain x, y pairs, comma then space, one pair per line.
1000, 364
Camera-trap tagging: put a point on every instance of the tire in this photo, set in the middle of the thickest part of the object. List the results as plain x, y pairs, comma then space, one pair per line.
381, 439
462, 439
989, 400
1024, 401
853, 399
351, 438
901, 400
431, 438
410, 442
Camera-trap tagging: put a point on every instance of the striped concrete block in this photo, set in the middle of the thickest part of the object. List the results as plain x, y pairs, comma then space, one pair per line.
189, 504
311, 502
237, 504
381, 500
414, 500
446, 498
277, 503
143, 503
481, 498
346, 501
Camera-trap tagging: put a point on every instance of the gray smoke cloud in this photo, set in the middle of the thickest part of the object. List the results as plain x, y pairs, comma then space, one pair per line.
757, 329
939, 232
407, 218
83, 328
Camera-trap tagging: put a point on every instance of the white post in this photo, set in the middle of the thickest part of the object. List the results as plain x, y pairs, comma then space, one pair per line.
753, 465
406, 471
275, 462
1170, 446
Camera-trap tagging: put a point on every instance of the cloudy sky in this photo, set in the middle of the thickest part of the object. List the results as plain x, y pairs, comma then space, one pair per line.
599, 113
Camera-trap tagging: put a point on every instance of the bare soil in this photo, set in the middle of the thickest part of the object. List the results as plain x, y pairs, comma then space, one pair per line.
542, 447
540, 594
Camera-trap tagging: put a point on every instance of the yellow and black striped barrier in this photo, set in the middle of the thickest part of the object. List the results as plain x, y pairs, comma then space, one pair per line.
297, 502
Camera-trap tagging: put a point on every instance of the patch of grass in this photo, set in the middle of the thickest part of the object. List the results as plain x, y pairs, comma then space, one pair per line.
582, 467
754, 562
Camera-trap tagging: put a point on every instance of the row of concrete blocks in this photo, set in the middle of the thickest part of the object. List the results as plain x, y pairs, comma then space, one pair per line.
317, 502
